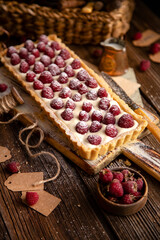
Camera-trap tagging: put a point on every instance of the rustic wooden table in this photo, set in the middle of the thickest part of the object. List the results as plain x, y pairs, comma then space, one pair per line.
78, 216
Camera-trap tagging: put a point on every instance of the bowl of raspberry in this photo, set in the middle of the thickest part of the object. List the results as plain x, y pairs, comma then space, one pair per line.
121, 190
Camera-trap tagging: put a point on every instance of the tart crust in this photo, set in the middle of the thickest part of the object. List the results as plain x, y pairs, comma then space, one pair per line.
81, 150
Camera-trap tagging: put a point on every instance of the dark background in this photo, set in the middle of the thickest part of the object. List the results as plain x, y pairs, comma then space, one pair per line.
153, 5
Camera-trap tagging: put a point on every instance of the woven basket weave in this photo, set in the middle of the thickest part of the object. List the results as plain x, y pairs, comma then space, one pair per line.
72, 26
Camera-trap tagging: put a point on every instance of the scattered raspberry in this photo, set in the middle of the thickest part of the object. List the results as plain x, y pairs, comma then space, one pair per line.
77, 97
67, 114
43, 38
126, 121
95, 126
97, 116
13, 167
3, 87
66, 92
23, 53
104, 103
76, 64
38, 67
46, 77
47, 92
144, 65
30, 59
65, 54
118, 175
102, 92
91, 82
24, 66
105, 175
82, 88
15, 59
59, 61
139, 184
97, 52
87, 106
36, 53
129, 186
11, 50
94, 139
109, 119
115, 188
83, 116
127, 199
29, 45
115, 110
54, 69
155, 48
91, 95
55, 45
74, 84
32, 198
82, 127
69, 70
41, 46
70, 104
57, 103
30, 76
63, 78
82, 75
38, 85
56, 86
49, 52
45, 60
137, 36
111, 131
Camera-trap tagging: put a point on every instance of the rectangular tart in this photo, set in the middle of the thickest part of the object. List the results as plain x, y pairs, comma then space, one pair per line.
77, 100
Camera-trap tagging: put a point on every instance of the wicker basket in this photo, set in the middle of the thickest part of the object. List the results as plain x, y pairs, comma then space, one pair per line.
72, 26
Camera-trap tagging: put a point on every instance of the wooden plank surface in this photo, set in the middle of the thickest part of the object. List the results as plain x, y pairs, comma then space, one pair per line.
78, 216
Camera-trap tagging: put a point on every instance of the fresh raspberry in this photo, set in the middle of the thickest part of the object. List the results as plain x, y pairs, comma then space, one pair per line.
97, 52
57, 103
104, 103
13, 167
137, 195
91, 95
82, 75
77, 97
32, 198
155, 48
137, 36
46, 77
126, 174
23, 53
29, 45
3, 87
76, 64
30, 76
24, 66
43, 38
36, 53
115, 110
144, 65
47, 92
56, 86
11, 50
129, 186
126, 121
45, 60
70, 104
102, 92
74, 84
83, 116
109, 119
118, 175
67, 114
111, 131
139, 184
65, 54
15, 59
91, 82
38, 67
41, 46
127, 199
66, 92
54, 69
105, 176
38, 85
95, 126
49, 52
69, 70
59, 61
82, 88
87, 106
30, 59
63, 78
115, 188
82, 127
55, 45
97, 116
94, 139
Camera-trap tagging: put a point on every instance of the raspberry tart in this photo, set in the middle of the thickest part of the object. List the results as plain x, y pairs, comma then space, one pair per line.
77, 100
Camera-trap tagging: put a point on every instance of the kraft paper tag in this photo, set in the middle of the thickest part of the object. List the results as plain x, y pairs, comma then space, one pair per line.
4, 154
155, 57
46, 203
148, 37
24, 181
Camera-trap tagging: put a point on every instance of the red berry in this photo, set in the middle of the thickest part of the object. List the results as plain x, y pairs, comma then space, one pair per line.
129, 186
47, 92
24, 66
82, 75
118, 175
105, 175
77, 97
38, 85
13, 167
127, 199
67, 114
65, 54
139, 184
126, 121
41, 46
115, 110
70, 104
83, 116
69, 70
15, 59
76, 64
11, 50
45, 60
56, 86
36, 53
30, 59
74, 84
29, 45
115, 188
57, 103
87, 106
97, 116
111, 131
137, 36
91, 95
23, 53
109, 119
155, 48
91, 82
137, 195
126, 174
66, 92
3, 87
82, 88
97, 52
49, 52
95, 126
102, 92
32, 198
104, 103
94, 139
30, 76
59, 61
54, 69
55, 45
144, 65
43, 38
46, 77
38, 67
82, 127
63, 78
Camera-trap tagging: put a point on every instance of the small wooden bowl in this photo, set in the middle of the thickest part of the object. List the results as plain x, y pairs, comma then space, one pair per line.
123, 209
